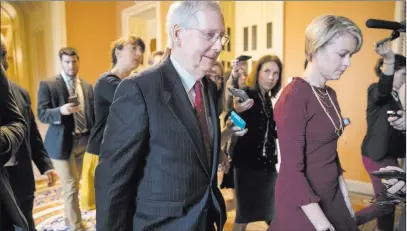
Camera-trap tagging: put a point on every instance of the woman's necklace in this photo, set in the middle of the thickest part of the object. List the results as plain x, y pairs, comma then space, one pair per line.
268, 124
339, 130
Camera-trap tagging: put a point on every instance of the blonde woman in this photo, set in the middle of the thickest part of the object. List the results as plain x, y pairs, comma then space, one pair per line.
311, 191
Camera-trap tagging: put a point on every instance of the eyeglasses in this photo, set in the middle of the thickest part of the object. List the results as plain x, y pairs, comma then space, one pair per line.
212, 36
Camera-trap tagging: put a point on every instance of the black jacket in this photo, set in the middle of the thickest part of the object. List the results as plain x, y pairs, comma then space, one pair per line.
12, 133
381, 139
248, 151
32, 149
103, 94
52, 94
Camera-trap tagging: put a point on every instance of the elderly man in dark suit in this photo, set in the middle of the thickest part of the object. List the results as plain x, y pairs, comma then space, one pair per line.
159, 158
12, 133
65, 102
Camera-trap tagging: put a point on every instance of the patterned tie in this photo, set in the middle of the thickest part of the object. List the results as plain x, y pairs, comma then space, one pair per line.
78, 116
203, 123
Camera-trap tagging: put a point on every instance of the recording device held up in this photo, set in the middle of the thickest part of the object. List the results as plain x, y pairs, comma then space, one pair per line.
396, 27
241, 94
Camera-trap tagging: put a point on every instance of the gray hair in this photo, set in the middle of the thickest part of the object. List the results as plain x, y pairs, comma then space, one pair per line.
183, 13
327, 27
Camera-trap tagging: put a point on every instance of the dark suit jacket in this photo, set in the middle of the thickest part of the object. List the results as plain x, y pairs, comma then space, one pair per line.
52, 94
381, 139
12, 133
32, 149
153, 172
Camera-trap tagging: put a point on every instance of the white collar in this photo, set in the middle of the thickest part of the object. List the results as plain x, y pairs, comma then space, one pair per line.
187, 79
67, 78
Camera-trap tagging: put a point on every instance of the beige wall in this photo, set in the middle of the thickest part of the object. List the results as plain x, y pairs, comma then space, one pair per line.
352, 87
228, 9
36, 52
120, 6
260, 13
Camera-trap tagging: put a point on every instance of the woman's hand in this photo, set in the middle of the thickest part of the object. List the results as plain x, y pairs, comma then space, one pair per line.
398, 123
394, 185
236, 67
242, 106
230, 130
385, 51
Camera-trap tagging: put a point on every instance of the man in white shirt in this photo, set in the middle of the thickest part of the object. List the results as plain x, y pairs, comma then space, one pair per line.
65, 102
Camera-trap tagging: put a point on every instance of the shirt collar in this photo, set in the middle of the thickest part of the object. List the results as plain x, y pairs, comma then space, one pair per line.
187, 79
67, 78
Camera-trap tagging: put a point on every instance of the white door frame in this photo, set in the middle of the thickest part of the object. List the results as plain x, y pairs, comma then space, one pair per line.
137, 9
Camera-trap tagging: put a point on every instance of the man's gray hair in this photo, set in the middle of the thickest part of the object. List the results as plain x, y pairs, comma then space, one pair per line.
183, 13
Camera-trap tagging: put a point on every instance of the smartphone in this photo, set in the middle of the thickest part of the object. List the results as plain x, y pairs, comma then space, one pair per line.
73, 99
390, 174
239, 93
237, 120
393, 113
244, 58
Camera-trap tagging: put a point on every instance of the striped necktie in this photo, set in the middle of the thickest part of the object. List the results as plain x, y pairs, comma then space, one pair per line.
79, 117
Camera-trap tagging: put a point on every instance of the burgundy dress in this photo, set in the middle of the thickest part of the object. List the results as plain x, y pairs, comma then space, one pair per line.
310, 165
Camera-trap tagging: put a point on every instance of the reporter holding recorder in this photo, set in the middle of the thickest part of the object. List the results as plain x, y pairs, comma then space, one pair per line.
254, 155
383, 143
311, 191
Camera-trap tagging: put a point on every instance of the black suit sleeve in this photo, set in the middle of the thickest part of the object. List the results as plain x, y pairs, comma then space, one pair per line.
121, 156
379, 93
13, 128
46, 113
39, 154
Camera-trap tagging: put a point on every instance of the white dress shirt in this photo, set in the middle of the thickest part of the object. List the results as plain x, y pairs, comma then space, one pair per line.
189, 82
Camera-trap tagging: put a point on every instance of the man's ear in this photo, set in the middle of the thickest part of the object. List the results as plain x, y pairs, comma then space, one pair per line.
176, 31
117, 52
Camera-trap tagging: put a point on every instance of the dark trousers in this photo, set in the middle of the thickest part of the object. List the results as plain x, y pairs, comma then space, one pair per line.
26, 207
383, 213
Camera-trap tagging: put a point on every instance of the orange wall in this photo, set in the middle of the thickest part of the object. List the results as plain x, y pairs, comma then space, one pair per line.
352, 87
164, 6
91, 28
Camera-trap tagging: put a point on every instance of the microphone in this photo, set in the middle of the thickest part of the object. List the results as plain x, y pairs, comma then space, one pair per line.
388, 25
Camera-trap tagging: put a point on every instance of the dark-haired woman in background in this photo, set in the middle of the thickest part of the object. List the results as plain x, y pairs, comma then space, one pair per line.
383, 144
254, 155
127, 55
217, 76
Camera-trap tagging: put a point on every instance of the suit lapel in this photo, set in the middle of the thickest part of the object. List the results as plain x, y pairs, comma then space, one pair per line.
177, 100
215, 124
64, 90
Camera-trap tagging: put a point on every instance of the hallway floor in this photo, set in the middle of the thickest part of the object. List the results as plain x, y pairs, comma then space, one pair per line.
48, 209
48, 206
